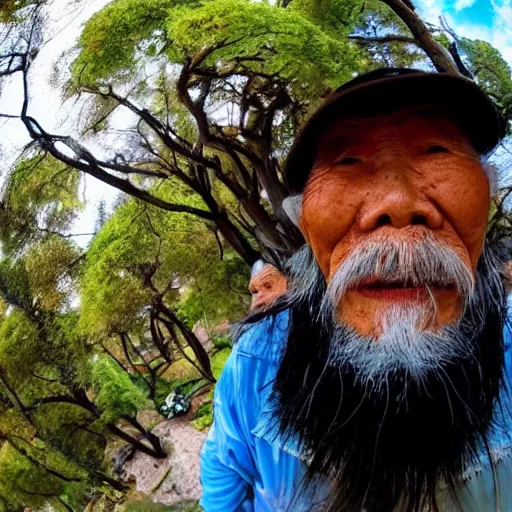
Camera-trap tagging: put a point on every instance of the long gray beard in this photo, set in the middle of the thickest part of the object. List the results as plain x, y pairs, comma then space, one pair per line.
387, 421
405, 345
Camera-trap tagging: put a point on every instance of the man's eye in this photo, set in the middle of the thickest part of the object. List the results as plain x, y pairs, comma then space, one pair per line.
348, 160
267, 286
436, 148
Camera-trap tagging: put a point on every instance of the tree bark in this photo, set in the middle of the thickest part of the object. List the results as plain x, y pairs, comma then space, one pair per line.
152, 438
169, 319
236, 239
153, 451
436, 52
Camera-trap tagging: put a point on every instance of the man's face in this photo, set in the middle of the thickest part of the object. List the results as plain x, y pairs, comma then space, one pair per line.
408, 176
266, 287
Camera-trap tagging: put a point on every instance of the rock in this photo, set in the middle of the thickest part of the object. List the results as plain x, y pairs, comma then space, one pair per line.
223, 328
119, 459
175, 478
203, 336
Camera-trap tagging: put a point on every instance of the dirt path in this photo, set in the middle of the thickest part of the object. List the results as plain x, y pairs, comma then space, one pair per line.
175, 478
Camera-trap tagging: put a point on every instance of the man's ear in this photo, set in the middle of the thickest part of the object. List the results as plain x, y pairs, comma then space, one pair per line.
492, 175
292, 206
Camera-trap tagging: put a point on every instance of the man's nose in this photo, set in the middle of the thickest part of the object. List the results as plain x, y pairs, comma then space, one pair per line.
256, 301
396, 201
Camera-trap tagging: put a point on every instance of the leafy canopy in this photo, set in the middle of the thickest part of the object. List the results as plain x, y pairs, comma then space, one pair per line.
40, 196
274, 41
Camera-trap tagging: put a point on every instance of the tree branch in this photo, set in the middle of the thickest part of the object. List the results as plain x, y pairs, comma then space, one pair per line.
61, 399
437, 53
391, 38
34, 461
85, 162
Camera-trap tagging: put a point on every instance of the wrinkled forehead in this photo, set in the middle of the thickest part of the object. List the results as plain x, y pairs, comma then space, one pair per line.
267, 273
409, 124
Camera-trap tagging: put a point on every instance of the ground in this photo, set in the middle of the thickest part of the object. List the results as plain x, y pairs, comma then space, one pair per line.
175, 478
171, 484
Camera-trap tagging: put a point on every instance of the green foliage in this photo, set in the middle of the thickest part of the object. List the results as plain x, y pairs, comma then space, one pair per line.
219, 360
14, 284
221, 341
134, 242
39, 196
288, 44
58, 426
40, 357
149, 506
491, 72
49, 266
203, 417
33, 474
22, 482
129, 32
10, 8
334, 16
18, 345
118, 36
116, 395
376, 20
219, 291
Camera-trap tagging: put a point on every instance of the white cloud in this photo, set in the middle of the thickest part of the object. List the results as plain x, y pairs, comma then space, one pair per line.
463, 4
502, 28
431, 10
498, 33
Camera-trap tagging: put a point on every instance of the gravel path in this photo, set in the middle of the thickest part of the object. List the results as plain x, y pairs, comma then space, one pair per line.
175, 478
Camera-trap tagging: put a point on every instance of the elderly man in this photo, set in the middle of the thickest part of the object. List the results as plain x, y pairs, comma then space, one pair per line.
267, 284
380, 384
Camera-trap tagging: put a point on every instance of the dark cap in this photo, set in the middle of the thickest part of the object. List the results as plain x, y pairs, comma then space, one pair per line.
385, 90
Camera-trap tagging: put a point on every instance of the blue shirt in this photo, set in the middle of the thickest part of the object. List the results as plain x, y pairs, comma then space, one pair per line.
246, 467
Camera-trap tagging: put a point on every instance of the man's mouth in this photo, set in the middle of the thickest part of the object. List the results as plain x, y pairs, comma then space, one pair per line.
399, 290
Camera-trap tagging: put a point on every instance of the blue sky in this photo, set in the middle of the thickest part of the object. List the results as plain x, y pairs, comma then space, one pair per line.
477, 19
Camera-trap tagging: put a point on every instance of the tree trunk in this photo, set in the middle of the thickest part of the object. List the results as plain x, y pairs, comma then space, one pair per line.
436, 52
236, 239
152, 438
113, 482
155, 450
203, 365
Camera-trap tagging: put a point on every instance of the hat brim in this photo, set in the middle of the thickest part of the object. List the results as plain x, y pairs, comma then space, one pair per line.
473, 110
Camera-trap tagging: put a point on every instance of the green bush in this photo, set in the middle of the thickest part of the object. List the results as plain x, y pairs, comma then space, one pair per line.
218, 360
221, 341
149, 506
204, 417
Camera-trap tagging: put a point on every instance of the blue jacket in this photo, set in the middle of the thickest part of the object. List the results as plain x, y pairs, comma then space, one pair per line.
245, 466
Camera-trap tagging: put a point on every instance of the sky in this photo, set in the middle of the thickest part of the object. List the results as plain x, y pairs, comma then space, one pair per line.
66, 17
490, 20
476, 19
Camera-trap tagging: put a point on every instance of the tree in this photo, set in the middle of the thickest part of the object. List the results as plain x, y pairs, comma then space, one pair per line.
269, 84
55, 377
58, 401
491, 72
218, 90
138, 271
212, 94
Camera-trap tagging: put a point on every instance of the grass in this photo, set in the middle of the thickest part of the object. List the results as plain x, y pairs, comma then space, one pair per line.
204, 415
218, 360
149, 506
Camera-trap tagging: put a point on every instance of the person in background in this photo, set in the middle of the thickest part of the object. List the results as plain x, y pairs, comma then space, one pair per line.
267, 284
